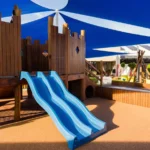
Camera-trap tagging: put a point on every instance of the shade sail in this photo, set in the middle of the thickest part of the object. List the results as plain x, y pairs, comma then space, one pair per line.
107, 23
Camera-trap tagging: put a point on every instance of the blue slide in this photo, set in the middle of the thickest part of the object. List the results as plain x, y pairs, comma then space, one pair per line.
77, 124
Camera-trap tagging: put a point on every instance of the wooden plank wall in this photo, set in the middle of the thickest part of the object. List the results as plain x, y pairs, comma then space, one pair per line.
33, 59
76, 59
57, 49
24, 54
125, 96
62, 49
10, 54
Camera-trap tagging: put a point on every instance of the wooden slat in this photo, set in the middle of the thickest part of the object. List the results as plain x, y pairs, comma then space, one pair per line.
8, 52
1, 53
11, 50
3, 49
15, 45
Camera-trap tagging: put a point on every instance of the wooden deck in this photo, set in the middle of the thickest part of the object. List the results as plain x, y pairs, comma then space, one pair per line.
130, 95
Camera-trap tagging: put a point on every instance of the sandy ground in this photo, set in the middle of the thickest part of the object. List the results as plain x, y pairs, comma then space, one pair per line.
128, 129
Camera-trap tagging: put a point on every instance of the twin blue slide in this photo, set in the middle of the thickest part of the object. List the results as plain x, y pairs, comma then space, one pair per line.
77, 124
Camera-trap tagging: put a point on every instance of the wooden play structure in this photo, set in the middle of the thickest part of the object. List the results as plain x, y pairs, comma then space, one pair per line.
64, 53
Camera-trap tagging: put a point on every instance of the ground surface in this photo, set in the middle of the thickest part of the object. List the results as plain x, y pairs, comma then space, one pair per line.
29, 109
128, 129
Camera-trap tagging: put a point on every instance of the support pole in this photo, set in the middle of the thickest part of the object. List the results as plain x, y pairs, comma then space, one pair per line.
140, 74
101, 71
17, 102
117, 65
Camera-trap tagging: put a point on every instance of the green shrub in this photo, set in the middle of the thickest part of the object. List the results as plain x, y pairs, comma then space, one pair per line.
132, 65
123, 64
148, 67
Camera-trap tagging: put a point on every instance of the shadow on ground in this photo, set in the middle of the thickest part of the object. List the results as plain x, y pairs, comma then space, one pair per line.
89, 146
29, 109
103, 111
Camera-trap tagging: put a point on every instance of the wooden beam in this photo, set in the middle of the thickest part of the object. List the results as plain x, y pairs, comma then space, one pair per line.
17, 102
75, 77
6, 82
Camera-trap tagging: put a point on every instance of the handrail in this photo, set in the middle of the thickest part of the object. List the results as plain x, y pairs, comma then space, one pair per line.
92, 74
92, 66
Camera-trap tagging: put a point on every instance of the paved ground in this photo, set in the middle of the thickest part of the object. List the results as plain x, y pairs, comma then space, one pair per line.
128, 129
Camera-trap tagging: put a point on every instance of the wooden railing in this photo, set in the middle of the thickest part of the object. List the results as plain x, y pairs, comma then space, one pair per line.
89, 68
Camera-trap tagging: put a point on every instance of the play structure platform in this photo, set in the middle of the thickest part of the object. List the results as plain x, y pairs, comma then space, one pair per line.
69, 114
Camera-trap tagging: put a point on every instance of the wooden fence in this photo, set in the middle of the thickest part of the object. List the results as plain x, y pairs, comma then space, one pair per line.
10, 46
32, 55
126, 96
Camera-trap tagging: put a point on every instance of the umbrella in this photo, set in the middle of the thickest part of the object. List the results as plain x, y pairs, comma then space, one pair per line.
108, 23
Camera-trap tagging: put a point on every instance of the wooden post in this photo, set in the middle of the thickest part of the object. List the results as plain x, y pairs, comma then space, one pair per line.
82, 34
140, 74
50, 24
66, 33
83, 81
17, 102
1, 69
17, 22
17, 11
101, 72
